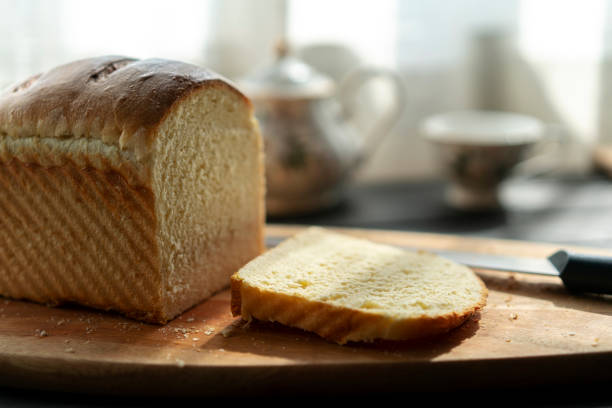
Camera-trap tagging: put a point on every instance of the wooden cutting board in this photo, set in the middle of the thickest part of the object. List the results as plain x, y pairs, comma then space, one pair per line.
532, 332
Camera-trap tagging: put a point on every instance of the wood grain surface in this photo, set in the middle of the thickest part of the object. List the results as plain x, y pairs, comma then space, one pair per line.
532, 332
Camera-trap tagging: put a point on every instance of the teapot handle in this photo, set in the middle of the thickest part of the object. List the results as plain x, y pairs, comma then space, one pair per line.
347, 96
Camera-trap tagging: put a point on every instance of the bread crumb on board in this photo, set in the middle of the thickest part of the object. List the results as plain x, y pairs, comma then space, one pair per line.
513, 316
227, 331
41, 333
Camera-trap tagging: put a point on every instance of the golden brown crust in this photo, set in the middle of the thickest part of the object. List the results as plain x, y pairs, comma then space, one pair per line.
72, 235
236, 299
336, 323
117, 100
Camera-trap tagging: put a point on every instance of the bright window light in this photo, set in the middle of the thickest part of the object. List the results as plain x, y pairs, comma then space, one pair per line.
139, 28
567, 29
369, 28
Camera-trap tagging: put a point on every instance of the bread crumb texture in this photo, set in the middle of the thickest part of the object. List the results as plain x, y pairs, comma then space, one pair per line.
346, 288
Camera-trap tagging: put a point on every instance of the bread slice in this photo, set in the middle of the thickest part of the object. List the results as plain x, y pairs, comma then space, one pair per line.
131, 185
349, 289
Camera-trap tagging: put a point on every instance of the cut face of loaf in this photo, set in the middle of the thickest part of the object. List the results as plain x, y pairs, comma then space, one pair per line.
135, 186
349, 289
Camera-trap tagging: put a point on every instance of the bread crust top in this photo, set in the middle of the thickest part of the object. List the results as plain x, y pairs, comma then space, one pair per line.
116, 100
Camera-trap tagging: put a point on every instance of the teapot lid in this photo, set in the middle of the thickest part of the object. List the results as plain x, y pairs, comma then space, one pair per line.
287, 78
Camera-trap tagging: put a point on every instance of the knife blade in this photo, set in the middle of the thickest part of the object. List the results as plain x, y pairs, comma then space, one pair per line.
578, 272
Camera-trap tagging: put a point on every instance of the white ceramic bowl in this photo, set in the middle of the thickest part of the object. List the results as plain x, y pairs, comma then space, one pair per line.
482, 128
478, 150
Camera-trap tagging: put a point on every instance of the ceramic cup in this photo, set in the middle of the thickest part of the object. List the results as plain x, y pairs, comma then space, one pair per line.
478, 150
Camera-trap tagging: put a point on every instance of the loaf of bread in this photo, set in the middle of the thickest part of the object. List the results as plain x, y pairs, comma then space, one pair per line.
128, 185
349, 289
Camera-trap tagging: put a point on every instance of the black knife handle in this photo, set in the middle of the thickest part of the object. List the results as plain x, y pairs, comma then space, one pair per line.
584, 273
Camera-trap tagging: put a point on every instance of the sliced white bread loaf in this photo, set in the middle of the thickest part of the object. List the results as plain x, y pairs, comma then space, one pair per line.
349, 289
128, 185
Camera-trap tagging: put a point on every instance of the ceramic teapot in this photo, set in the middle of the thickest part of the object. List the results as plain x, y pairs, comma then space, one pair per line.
312, 142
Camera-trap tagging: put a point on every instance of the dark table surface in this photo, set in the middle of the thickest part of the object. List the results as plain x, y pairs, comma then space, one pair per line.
571, 211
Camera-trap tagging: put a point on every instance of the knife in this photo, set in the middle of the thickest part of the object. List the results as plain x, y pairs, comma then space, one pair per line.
578, 272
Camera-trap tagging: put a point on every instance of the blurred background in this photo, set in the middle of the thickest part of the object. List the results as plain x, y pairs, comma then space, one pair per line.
545, 58
550, 59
